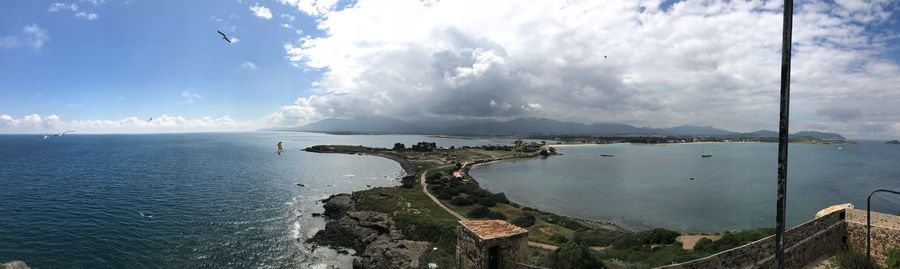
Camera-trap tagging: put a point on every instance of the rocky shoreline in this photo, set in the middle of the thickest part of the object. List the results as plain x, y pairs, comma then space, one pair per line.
373, 235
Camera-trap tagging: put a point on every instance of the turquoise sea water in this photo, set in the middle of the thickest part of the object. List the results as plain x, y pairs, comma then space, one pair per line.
649, 185
179, 200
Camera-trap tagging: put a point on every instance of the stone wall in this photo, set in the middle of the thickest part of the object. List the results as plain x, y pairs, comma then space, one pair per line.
885, 232
471, 250
803, 244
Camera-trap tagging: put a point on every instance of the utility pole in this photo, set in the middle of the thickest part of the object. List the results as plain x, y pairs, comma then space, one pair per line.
783, 132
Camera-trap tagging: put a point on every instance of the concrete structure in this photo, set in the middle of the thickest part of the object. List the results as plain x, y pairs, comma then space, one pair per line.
490, 244
821, 237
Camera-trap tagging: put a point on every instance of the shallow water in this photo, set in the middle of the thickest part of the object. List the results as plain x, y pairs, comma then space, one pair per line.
179, 200
649, 185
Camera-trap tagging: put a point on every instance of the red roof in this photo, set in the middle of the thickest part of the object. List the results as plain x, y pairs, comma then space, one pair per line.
489, 229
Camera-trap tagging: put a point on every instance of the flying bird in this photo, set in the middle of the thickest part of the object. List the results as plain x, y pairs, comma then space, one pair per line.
150, 119
64, 133
224, 36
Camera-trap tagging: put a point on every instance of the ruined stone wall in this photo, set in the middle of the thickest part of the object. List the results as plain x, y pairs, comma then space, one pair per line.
803, 244
471, 252
885, 232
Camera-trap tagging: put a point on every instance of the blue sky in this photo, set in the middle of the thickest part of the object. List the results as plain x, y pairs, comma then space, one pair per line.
136, 58
108, 65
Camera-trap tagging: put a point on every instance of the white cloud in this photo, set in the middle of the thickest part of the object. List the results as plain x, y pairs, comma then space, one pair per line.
289, 17
34, 123
190, 96
32, 36
74, 8
312, 7
698, 62
86, 16
54, 7
249, 66
261, 11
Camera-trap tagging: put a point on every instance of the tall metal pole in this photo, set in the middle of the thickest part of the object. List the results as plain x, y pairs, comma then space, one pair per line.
783, 131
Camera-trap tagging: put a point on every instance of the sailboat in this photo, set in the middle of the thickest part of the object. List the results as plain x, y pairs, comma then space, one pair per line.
705, 154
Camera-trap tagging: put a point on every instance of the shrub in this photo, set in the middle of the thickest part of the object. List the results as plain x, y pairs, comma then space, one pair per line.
496, 215
500, 198
658, 236
460, 201
704, 244
851, 259
573, 255
486, 202
434, 177
450, 191
435, 188
444, 196
892, 257
558, 238
524, 221
600, 237
478, 212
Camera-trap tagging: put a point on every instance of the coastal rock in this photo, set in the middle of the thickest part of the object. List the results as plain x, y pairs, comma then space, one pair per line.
392, 254
14, 265
371, 234
337, 205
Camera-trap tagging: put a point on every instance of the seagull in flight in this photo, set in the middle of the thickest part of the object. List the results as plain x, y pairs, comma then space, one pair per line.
224, 36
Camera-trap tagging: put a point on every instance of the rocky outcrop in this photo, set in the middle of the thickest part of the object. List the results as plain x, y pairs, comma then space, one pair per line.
14, 265
373, 235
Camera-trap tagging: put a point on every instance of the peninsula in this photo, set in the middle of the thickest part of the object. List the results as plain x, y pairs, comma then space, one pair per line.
413, 225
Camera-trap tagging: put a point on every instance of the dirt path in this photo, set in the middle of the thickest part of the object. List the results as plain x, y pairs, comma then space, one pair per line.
435, 199
462, 218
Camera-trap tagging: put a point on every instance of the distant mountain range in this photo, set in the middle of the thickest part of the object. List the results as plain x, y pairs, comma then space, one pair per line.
525, 126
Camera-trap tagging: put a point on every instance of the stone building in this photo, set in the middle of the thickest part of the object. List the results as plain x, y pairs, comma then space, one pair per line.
491, 244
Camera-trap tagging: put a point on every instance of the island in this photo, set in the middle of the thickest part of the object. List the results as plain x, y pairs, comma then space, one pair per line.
413, 225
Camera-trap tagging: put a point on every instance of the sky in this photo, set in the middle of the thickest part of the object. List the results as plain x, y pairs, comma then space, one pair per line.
108, 66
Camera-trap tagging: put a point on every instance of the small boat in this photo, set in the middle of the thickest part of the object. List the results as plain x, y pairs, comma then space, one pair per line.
706, 155
607, 155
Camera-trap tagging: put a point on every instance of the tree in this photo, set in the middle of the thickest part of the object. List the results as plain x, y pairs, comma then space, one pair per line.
495, 215
573, 255
478, 212
460, 201
524, 221
399, 146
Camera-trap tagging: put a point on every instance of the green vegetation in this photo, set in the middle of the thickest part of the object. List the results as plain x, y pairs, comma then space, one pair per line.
419, 218
851, 259
495, 215
892, 258
478, 212
731, 240
574, 255
525, 220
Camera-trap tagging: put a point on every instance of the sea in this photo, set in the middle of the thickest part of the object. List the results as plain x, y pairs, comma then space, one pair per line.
671, 186
223, 200
227, 200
